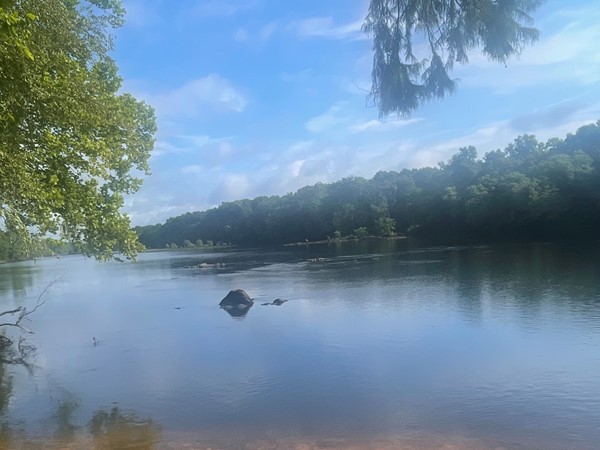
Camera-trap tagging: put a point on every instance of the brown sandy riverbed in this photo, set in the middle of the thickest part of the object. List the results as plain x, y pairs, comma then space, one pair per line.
126, 439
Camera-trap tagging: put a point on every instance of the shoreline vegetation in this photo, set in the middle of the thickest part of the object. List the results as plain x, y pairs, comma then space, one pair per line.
529, 191
342, 239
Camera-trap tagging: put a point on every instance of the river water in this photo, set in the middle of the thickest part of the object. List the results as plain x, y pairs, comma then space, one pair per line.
379, 345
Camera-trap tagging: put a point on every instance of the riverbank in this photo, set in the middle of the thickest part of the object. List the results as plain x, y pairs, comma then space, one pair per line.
345, 239
120, 438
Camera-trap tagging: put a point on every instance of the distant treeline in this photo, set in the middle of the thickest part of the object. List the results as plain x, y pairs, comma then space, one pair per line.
527, 191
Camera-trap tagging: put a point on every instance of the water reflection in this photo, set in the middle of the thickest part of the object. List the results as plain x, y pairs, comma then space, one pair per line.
237, 312
498, 342
111, 429
16, 279
115, 429
64, 418
6, 390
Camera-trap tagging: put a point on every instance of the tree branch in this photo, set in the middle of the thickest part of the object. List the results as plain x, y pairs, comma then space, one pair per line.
13, 311
39, 302
23, 312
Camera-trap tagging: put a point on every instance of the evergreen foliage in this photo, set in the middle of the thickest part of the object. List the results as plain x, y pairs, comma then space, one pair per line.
417, 42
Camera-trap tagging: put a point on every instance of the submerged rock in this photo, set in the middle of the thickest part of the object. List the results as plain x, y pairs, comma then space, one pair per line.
210, 265
278, 302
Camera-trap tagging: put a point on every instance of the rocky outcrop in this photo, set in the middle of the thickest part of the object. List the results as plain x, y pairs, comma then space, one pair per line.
237, 299
237, 303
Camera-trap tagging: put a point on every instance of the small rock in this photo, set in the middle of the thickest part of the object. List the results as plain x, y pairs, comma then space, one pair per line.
278, 302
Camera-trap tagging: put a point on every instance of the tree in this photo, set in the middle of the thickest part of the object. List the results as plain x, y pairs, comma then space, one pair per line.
361, 232
403, 78
71, 144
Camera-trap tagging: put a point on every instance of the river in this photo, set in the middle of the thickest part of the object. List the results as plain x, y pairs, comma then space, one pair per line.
379, 345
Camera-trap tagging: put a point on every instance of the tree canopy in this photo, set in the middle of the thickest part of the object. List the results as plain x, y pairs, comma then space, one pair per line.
71, 143
417, 42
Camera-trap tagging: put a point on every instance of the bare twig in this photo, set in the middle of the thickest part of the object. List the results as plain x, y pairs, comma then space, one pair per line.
23, 312
21, 355
17, 325
13, 311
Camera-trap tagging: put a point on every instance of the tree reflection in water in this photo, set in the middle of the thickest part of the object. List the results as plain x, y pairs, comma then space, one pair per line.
6, 388
108, 430
116, 430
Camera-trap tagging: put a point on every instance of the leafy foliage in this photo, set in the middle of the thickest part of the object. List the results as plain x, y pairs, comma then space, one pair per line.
529, 190
70, 142
417, 42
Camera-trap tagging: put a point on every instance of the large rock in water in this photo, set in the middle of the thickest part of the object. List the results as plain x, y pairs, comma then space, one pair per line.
237, 299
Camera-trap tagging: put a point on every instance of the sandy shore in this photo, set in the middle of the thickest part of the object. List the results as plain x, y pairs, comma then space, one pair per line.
190, 441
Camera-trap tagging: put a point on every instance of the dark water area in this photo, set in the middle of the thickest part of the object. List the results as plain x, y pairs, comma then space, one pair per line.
383, 341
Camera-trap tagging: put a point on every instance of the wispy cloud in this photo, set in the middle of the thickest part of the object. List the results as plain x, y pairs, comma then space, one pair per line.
570, 54
241, 35
552, 121
261, 35
215, 8
140, 14
162, 148
212, 93
548, 117
324, 27
330, 119
380, 126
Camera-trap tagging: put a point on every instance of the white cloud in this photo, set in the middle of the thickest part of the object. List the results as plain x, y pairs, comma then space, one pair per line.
234, 187
178, 144
300, 146
328, 120
381, 126
162, 148
324, 27
158, 213
194, 169
339, 120
212, 93
202, 140
295, 167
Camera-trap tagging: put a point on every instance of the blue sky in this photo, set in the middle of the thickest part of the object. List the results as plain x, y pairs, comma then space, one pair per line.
262, 97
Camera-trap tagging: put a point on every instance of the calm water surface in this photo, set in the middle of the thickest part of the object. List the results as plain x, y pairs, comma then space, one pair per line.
491, 347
